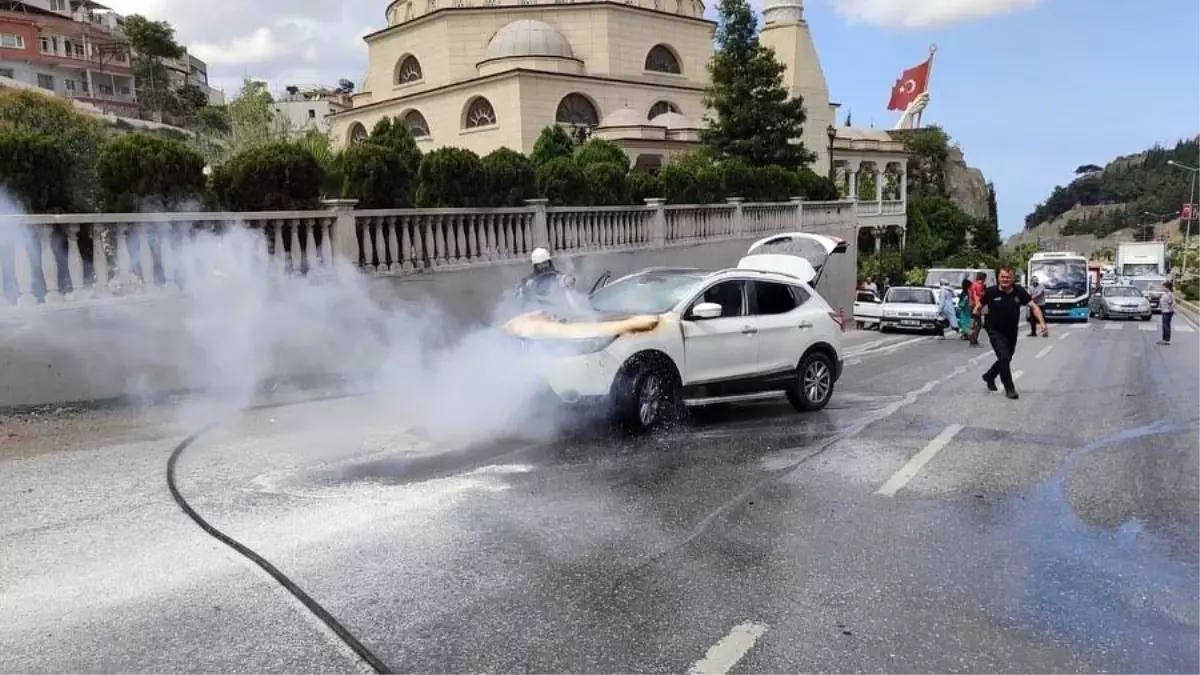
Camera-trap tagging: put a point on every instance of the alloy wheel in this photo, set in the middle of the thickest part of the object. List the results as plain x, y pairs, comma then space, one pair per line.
817, 382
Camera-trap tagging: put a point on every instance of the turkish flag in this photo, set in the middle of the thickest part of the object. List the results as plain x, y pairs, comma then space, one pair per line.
912, 83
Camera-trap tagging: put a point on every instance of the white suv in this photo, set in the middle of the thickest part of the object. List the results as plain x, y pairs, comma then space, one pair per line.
664, 337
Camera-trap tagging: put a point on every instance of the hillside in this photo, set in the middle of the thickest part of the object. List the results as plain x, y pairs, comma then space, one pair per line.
1103, 205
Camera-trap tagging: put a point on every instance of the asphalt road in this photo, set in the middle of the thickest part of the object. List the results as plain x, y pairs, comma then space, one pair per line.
919, 523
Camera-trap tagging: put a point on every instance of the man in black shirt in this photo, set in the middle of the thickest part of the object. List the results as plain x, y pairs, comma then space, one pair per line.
1004, 302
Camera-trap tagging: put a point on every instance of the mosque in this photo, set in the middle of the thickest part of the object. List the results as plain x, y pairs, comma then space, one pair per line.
482, 74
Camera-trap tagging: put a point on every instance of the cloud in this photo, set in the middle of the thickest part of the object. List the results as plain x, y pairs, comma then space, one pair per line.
913, 14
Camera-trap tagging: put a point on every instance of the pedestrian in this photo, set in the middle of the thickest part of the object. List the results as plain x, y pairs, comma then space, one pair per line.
946, 309
974, 296
1166, 304
1038, 292
964, 310
883, 285
1003, 303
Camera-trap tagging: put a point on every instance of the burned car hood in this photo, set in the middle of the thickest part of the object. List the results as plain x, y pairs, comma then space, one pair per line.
580, 326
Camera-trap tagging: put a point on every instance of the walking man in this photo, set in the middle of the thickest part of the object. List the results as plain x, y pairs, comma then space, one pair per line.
1166, 304
1004, 302
975, 294
1038, 292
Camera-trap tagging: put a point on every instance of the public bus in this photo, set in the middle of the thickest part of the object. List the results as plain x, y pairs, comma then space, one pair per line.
1068, 284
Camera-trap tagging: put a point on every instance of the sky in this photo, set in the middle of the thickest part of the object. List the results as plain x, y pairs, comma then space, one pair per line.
1029, 89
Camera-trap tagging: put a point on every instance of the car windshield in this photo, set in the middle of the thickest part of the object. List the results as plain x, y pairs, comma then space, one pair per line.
1063, 278
1122, 292
919, 296
645, 293
933, 278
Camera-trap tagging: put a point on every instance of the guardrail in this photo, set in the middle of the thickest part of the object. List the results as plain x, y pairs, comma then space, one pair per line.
56, 258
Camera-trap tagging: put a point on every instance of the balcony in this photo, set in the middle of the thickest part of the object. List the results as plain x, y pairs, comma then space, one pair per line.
129, 99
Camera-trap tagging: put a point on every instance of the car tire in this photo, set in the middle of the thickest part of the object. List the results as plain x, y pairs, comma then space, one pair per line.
814, 383
1147, 318
647, 398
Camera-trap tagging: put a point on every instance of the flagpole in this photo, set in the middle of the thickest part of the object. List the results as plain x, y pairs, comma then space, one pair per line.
928, 79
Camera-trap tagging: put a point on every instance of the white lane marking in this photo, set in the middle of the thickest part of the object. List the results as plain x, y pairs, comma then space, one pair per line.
1113, 326
1148, 328
1183, 328
910, 469
723, 656
1017, 375
1044, 352
853, 362
889, 345
1064, 335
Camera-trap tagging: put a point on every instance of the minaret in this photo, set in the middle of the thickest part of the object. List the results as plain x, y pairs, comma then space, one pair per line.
786, 32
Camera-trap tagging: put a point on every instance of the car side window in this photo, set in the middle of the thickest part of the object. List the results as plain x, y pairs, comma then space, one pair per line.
772, 298
866, 296
727, 294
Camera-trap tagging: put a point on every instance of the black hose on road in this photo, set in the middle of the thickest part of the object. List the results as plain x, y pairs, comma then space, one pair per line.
346, 636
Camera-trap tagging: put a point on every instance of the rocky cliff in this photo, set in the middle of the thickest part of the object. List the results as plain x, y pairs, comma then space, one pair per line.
966, 185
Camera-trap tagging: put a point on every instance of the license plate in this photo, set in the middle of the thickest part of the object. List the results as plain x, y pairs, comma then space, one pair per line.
1056, 312
910, 322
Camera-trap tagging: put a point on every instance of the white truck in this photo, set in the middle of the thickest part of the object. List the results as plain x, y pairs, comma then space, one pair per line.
1144, 259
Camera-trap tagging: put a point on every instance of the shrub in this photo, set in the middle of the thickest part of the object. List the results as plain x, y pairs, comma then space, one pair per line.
451, 177
36, 171
817, 188
32, 112
143, 172
561, 181
643, 185
392, 133
688, 183
601, 151
739, 179
552, 143
776, 184
606, 183
275, 176
509, 176
376, 176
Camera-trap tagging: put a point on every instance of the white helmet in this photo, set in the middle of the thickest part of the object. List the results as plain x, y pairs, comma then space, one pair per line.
540, 256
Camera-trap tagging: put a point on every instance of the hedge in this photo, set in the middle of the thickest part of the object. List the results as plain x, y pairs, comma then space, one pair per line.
35, 172
143, 172
376, 176
277, 176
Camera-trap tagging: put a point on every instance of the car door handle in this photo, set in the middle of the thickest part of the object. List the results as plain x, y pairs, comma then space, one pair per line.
804, 324
749, 331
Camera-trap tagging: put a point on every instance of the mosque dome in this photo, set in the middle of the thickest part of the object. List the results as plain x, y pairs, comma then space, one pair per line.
528, 38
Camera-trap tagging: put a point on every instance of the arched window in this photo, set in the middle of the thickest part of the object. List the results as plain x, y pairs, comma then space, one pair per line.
578, 110
480, 113
415, 122
357, 134
662, 107
662, 59
409, 70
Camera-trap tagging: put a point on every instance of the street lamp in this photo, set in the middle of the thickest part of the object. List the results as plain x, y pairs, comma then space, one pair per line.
831, 131
1191, 213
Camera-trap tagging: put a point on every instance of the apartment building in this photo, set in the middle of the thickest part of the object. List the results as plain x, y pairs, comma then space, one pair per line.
305, 108
73, 48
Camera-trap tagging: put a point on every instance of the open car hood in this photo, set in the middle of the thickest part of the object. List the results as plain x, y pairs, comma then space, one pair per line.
798, 254
539, 325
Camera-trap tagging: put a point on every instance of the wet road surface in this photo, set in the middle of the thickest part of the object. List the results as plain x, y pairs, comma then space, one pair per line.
918, 523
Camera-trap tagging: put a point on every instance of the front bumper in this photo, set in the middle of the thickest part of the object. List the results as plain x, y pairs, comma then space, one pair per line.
1130, 313
908, 323
571, 378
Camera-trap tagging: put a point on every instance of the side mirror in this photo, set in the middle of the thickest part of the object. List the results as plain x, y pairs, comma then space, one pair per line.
707, 310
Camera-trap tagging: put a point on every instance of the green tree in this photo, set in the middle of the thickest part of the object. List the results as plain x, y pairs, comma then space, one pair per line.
816, 187
599, 150
751, 114
251, 117
554, 141
509, 177
606, 183
142, 172
451, 178
35, 171
150, 43
273, 176
32, 112
642, 186
391, 132
561, 181
376, 176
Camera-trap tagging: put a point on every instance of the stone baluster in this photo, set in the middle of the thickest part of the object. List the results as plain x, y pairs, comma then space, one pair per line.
327, 242
124, 263
169, 255
460, 237
100, 278
506, 240
145, 254
23, 269
279, 262
426, 250
390, 224
45, 242
297, 254
75, 262
311, 254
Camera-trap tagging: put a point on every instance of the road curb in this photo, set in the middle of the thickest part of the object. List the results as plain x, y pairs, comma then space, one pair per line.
1191, 310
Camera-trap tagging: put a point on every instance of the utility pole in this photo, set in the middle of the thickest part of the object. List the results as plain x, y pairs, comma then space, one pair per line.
1191, 214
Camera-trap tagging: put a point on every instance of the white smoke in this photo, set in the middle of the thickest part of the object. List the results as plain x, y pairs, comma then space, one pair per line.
920, 14
241, 323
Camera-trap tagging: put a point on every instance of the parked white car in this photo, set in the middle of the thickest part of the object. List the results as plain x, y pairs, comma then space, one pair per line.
909, 308
661, 338
868, 308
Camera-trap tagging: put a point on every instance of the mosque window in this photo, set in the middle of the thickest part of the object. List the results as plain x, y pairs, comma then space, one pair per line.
577, 110
662, 107
415, 122
409, 70
661, 59
480, 113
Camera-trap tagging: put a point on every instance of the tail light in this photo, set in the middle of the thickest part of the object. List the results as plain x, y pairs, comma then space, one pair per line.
838, 319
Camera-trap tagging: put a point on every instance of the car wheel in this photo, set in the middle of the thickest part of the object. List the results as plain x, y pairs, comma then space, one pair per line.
648, 399
1147, 317
814, 383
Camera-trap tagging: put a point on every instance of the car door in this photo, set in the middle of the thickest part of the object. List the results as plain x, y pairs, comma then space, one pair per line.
722, 348
867, 307
776, 311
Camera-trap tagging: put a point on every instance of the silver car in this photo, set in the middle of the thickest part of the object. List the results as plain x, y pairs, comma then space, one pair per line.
1120, 301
